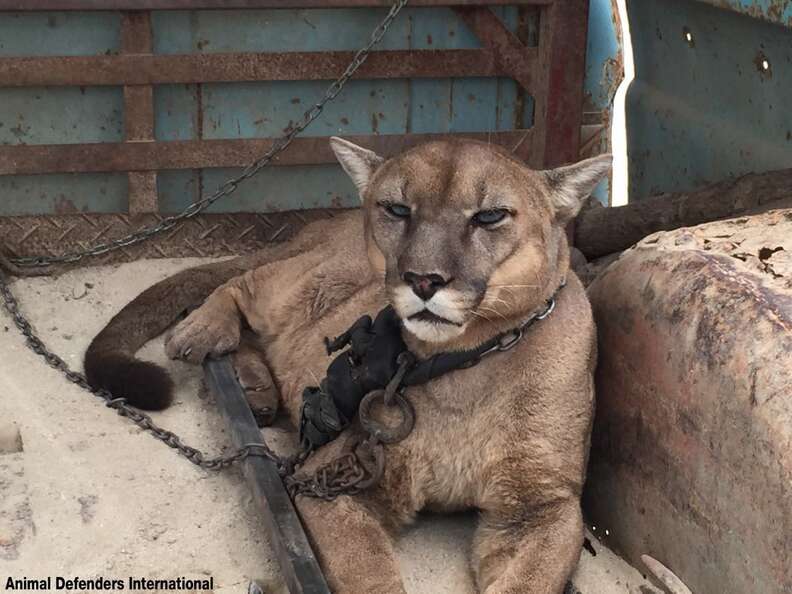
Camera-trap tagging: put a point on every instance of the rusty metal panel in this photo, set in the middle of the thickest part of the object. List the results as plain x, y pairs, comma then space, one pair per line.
85, 5
604, 74
205, 235
710, 99
213, 126
139, 112
142, 69
187, 154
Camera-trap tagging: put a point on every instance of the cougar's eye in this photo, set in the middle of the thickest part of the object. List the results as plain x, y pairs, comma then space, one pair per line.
485, 218
399, 211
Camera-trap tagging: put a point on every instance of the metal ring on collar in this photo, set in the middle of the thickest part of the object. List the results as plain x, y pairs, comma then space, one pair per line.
380, 431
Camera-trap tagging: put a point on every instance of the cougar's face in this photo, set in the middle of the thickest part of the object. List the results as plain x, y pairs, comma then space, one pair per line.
465, 232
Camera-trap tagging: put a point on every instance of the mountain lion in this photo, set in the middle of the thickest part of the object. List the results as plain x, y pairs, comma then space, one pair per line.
465, 242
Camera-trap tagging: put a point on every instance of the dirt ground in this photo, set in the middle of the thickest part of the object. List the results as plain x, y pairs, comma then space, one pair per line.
90, 495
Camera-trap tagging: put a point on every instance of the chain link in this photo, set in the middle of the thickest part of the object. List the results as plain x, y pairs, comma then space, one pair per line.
230, 186
349, 473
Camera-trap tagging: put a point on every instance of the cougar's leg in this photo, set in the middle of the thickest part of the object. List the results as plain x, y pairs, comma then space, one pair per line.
352, 536
354, 548
534, 554
254, 376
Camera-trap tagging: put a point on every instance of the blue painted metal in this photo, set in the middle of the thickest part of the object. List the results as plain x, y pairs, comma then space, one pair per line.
62, 114
704, 109
604, 72
71, 115
252, 110
774, 11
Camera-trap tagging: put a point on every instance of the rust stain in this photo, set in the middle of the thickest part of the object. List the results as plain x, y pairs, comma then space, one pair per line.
64, 206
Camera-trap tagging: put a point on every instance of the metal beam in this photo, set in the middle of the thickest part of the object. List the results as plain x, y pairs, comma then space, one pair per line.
197, 154
136, 38
297, 561
146, 69
33, 5
512, 56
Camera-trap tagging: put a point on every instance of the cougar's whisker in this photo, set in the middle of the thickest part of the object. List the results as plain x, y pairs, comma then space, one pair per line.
495, 311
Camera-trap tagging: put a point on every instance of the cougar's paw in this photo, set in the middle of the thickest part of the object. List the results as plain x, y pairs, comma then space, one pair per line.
202, 334
260, 389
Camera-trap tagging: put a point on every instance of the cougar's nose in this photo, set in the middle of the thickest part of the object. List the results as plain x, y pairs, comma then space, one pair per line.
424, 285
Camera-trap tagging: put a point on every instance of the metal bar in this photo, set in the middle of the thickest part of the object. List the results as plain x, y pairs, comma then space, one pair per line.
297, 561
136, 38
559, 107
197, 154
32, 5
512, 56
142, 69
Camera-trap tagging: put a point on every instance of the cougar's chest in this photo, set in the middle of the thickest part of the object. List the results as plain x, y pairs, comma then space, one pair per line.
457, 428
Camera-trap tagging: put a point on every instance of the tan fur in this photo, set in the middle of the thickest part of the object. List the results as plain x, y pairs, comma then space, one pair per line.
509, 436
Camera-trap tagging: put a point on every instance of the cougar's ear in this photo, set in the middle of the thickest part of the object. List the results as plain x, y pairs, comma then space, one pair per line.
572, 184
359, 163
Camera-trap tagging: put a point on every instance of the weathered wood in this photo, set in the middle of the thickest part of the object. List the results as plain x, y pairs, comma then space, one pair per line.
601, 231
297, 561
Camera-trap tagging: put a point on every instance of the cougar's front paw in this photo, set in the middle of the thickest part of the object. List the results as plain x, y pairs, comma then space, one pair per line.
202, 334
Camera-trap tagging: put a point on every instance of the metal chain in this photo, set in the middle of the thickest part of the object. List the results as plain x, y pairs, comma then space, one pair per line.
347, 474
138, 417
230, 186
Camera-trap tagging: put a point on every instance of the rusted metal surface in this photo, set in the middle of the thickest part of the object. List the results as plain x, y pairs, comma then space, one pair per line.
690, 458
710, 97
774, 11
196, 154
136, 38
395, 106
512, 57
142, 191
555, 82
144, 69
204, 235
562, 53
22, 5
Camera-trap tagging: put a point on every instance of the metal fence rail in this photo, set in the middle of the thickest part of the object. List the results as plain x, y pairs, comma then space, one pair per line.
550, 72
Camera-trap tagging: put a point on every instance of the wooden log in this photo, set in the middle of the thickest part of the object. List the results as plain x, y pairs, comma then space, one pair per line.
602, 231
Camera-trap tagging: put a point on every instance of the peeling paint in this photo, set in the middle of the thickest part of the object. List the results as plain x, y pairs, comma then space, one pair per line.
774, 11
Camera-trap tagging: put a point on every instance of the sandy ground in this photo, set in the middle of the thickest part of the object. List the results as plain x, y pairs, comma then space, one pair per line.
90, 495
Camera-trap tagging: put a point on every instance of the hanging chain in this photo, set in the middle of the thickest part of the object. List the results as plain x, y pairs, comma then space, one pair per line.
230, 186
349, 473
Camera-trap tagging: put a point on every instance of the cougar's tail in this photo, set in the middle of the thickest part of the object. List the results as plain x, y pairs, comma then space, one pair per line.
110, 361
